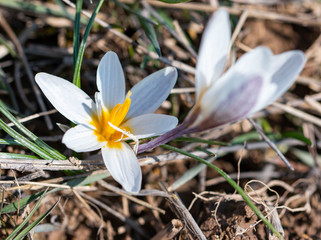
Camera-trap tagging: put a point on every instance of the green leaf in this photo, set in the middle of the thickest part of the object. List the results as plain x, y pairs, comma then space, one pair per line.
200, 140
190, 174
10, 142
15, 232
306, 157
297, 136
77, 31
80, 55
174, 1
35, 223
12, 207
45, 148
24, 141
34, 8
151, 34
8, 47
16, 156
137, 13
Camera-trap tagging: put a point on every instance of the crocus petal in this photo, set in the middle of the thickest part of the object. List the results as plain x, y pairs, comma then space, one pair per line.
149, 125
213, 51
230, 101
123, 165
81, 139
283, 71
110, 80
67, 98
148, 94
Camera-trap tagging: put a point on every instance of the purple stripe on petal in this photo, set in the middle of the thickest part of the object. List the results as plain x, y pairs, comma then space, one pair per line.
236, 105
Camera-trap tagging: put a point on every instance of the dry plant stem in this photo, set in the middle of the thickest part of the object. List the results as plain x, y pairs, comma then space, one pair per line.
298, 113
118, 215
253, 13
28, 165
170, 231
126, 195
271, 144
25, 62
34, 116
17, 77
180, 65
181, 211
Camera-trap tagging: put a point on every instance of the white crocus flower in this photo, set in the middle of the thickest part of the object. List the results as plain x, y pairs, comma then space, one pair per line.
114, 117
256, 80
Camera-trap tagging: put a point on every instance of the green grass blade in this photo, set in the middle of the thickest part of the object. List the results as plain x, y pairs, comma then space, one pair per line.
189, 174
35, 223
8, 47
80, 55
77, 31
138, 14
200, 140
232, 183
16, 156
45, 147
151, 34
174, 1
15, 232
10, 142
24, 141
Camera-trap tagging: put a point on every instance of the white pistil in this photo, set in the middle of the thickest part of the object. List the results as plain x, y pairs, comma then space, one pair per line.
128, 134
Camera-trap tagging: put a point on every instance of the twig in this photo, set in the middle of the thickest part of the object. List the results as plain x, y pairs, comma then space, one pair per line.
34, 116
118, 215
271, 144
25, 62
180, 210
32, 165
253, 13
140, 48
298, 113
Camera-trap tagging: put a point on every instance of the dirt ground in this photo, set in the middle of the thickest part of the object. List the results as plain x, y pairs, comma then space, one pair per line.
291, 200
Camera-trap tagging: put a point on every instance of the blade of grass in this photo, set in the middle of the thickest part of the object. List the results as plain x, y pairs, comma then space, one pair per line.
80, 55
10, 142
15, 232
16, 156
36, 222
188, 175
45, 147
200, 140
151, 34
77, 31
24, 141
232, 183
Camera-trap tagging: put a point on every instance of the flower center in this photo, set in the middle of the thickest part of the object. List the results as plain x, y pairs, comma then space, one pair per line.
107, 124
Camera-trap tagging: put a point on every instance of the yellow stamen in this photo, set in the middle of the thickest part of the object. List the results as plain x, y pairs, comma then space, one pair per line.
106, 133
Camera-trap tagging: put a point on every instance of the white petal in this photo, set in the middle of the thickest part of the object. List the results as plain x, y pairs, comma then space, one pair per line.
213, 50
229, 101
81, 139
283, 71
148, 94
123, 165
149, 125
67, 98
110, 80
